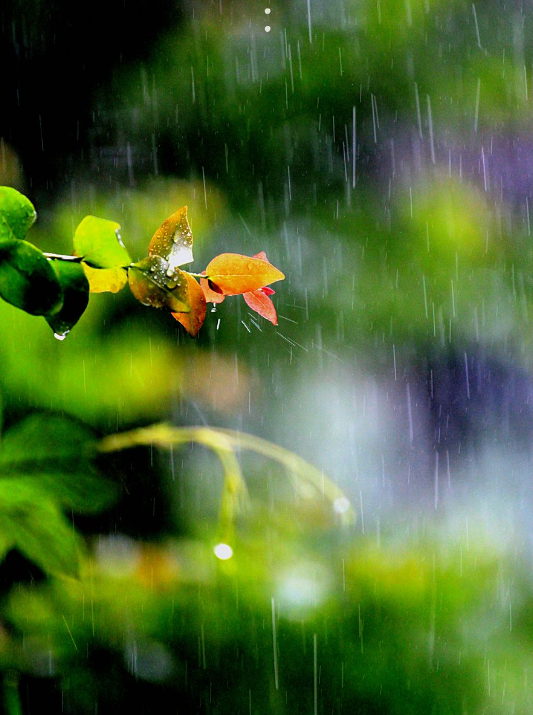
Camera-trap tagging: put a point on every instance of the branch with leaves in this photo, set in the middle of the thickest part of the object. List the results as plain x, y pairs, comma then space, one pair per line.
58, 287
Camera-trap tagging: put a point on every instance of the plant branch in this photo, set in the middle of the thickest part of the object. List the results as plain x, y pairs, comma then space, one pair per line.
61, 257
306, 479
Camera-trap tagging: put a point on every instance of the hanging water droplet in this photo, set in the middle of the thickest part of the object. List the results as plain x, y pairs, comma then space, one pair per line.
214, 308
61, 336
171, 284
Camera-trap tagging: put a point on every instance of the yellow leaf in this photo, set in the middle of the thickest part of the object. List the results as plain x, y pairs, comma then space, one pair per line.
105, 280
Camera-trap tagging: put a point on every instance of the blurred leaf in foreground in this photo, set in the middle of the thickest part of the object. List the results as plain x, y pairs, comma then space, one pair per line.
17, 214
27, 280
32, 522
75, 287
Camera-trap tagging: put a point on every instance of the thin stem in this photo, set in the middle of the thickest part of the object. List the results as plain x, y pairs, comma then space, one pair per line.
220, 441
61, 257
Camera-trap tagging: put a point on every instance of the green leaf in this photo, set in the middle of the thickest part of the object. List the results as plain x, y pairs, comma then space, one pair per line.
27, 280
173, 240
81, 491
75, 288
33, 524
17, 214
46, 437
6, 544
98, 242
153, 282
53, 453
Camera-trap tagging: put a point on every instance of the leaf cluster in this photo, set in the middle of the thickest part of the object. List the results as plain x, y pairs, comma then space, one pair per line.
58, 287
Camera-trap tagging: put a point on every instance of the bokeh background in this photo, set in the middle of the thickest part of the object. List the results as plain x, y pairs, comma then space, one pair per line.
381, 153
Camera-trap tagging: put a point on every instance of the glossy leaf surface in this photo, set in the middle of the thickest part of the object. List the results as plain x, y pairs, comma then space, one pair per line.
193, 320
173, 240
17, 214
75, 287
235, 274
27, 280
98, 242
157, 285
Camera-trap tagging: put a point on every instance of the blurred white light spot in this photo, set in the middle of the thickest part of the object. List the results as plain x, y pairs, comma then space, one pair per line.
267, 11
223, 552
267, 28
302, 589
341, 505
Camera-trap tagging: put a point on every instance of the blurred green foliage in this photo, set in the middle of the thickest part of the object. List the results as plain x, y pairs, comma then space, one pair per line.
388, 630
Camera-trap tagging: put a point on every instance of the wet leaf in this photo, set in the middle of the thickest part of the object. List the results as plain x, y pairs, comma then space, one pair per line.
261, 303
154, 283
235, 274
75, 288
27, 280
105, 280
193, 320
211, 296
98, 242
33, 524
17, 214
173, 240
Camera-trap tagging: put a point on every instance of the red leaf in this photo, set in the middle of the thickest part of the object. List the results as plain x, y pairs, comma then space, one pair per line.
260, 302
234, 274
193, 320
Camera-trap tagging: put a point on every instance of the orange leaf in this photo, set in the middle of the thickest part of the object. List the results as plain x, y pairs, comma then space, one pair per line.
193, 320
173, 240
210, 295
235, 274
261, 303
